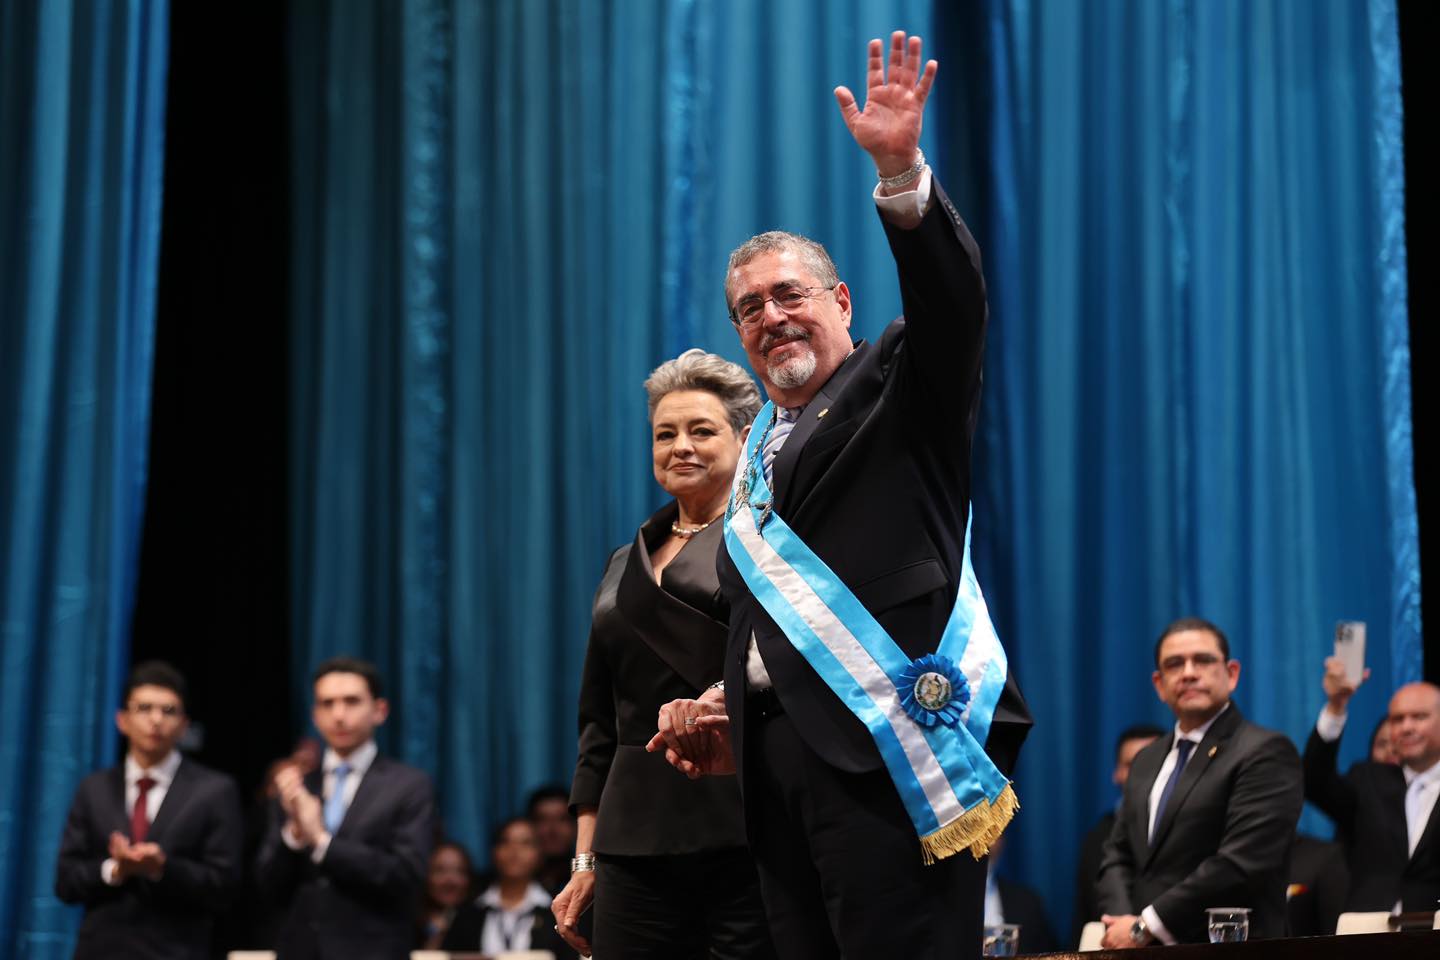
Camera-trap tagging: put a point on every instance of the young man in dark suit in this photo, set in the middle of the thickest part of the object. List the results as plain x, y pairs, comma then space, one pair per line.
348, 844
151, 847
1208, 814
1386, 814
868, 458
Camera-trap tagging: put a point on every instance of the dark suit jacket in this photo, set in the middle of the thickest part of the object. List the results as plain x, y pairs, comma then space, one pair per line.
1222, 841
357, 903
198, 826
1021, 904
1368, 807
879, 488
1087, 875
649, 646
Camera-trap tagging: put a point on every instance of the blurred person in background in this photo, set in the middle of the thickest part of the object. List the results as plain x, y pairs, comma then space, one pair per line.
513, 914
448, 885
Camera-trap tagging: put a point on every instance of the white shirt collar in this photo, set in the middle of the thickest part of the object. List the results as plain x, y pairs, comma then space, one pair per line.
360, 759
1198, 734
163, 774
1429, 777
535, 896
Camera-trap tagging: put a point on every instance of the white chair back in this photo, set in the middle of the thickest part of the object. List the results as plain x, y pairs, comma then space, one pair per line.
429, 955
1376, 922
250, 955
1090, 936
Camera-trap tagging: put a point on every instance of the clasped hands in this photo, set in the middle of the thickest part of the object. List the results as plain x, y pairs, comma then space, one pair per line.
135, 859
304, 820
700, 747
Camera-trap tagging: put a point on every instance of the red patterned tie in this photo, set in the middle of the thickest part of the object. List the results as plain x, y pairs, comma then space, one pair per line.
140, 816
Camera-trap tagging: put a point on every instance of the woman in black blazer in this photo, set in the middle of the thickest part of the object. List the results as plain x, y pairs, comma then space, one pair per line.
671, 875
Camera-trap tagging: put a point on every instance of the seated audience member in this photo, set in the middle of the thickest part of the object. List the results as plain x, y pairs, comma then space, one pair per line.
151, 847
348, 844
1381, 749
1209, 812
448, 885
1384, 813
548, 809
1087, 895
1318, 881
513, 913
1007, 901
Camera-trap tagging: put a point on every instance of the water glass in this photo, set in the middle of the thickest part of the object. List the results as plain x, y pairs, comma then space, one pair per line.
1229, 924
1001, 940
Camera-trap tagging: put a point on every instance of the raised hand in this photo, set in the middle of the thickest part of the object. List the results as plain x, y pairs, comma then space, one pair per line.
1338, 688
888, 128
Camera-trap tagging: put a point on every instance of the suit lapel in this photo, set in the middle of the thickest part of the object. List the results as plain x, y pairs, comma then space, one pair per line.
115, 802
1143, 771
365, 794
1211, 747
810, 421
176, 796
1432, 825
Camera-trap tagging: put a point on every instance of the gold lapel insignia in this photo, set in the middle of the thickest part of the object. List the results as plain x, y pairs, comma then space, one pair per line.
822, 413
1213, 751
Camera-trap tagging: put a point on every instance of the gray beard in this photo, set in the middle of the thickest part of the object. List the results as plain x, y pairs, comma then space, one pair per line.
792, 373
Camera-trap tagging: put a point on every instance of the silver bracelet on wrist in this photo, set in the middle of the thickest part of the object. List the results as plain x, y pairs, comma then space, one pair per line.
583, 863
717, 685
906, 178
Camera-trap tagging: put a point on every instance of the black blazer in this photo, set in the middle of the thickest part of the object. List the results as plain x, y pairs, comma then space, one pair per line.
199, 828
1223, 839
875, 478
1368, 807
463, 934
649, 646
359, 901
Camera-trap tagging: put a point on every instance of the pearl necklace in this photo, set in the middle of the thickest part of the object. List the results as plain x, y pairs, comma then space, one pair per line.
685, 533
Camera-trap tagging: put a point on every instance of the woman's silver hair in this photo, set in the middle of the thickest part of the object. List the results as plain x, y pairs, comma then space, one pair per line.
812, 254
697, 370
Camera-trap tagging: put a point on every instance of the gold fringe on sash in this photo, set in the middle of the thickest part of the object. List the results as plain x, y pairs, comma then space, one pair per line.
975, 829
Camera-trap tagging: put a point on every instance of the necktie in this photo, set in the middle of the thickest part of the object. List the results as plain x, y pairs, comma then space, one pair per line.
140, 816
1184, 747
784, 423
335, 806
1414, 825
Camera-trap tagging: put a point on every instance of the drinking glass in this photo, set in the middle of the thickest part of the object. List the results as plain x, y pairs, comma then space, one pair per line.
1001, 940
1229, 924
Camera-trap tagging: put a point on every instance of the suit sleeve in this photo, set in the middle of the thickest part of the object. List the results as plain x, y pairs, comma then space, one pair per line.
597, 736
1324, 786
942, 289
77, 871
276, 865
1117, 864
1260, 817
208, 878
397, 869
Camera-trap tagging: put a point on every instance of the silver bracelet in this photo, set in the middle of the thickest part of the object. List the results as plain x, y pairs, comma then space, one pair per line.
717, 685
583, 863
906, 178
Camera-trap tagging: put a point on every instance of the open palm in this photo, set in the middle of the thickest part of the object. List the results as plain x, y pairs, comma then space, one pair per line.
888, 128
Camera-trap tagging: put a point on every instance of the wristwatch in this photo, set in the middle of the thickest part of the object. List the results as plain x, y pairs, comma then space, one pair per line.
1140, 933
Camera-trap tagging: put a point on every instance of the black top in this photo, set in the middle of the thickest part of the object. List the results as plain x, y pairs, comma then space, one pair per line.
650, 645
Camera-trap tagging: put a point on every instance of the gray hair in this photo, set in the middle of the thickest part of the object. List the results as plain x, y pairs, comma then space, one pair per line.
811, 253
697, 370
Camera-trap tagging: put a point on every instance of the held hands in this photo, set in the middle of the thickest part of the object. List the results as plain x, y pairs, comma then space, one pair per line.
569, 904
701, 747
889, 127
1338, 688
135, 859
302, 808
1117, 932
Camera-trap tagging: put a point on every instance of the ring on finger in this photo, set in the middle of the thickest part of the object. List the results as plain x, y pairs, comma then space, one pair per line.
690, 721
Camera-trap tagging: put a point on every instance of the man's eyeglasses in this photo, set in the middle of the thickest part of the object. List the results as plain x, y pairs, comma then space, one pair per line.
749, 311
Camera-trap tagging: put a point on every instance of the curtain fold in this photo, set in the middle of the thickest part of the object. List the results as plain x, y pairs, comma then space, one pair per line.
82, 96
1197, 396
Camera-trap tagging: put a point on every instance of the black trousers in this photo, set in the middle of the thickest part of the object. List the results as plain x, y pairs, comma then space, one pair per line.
679, 907
840, 864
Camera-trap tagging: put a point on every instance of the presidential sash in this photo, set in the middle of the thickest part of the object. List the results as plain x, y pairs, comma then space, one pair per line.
929, 717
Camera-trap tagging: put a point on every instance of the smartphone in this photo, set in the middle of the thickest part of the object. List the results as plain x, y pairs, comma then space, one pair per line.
1350, 648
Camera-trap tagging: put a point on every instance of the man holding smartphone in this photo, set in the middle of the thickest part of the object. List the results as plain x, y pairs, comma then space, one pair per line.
1386, 813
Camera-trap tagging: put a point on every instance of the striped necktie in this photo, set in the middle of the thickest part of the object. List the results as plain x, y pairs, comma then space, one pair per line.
784, 422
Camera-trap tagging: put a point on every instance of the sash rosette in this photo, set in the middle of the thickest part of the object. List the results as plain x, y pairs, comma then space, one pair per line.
928, 717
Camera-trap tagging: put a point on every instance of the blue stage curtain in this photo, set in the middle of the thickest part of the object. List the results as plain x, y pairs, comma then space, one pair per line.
507, 214
1197, 386
82, 97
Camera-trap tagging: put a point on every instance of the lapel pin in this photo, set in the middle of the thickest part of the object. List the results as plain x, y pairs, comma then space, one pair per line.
1213, 751
822, 413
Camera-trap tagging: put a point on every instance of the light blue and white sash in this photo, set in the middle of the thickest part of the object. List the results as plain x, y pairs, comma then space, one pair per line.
930, 717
